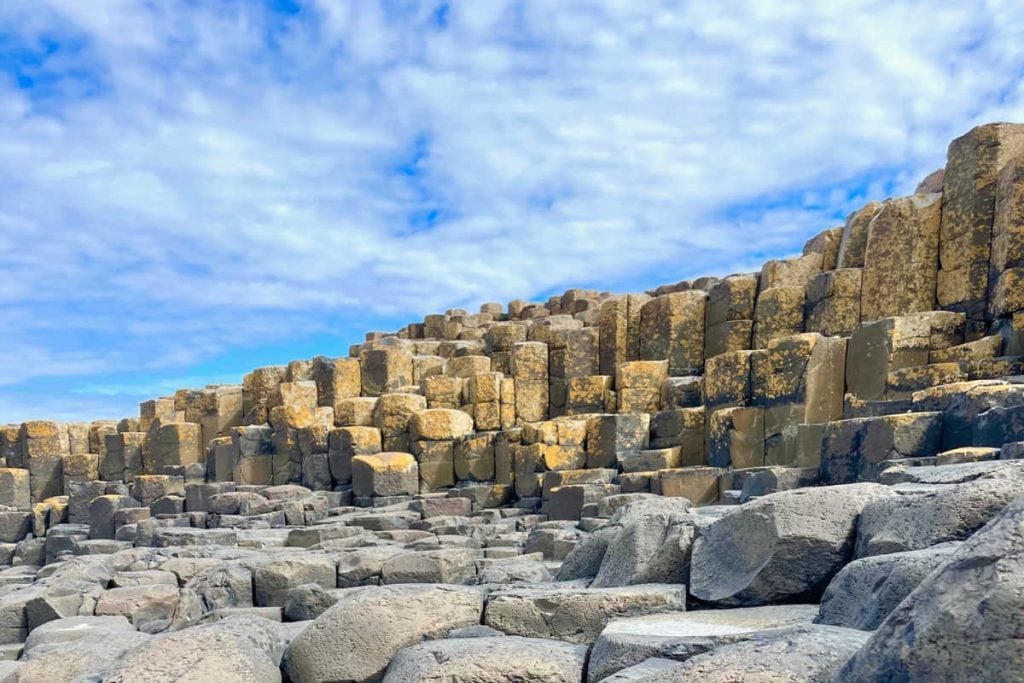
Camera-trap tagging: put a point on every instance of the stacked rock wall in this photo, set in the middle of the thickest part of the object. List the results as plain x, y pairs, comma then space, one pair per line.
827, 364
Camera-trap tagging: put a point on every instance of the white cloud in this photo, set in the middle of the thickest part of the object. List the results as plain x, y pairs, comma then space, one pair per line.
186, 177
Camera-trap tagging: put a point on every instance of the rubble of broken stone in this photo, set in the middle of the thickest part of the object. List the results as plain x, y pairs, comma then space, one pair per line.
916, 579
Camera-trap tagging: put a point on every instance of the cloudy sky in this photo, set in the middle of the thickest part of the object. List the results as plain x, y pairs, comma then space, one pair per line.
189, 189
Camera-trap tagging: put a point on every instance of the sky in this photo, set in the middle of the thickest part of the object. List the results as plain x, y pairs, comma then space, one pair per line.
191, 189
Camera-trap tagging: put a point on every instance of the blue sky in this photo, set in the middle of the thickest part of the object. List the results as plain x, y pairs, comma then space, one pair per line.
191, 189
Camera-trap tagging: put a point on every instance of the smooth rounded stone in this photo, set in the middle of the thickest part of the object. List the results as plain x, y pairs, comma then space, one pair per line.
785, 546
577, 615
488, 660
809, 654
68, 629
963, 621
515, 571
584, 560
865, 591
308, 601
86, 658
150, 608
376, 623
272, 580
681, 635
456, 566
234, 650
951, 513
653, 545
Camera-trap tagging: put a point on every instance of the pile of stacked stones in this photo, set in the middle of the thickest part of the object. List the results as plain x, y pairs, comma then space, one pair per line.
807, 473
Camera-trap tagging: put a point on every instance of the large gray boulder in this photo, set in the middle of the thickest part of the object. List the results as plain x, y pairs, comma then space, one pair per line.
808, 654
964, 622
681, 635
947, 513
59, 631
575, 614
234, 650
585, 558
652, 545
785, 546
90, 655
376, 623
488, 660
867, 590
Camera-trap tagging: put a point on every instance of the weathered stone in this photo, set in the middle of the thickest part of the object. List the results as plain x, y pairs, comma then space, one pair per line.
576, 615
682, 635
950, 513
377, 623
779, 313
672, 329
273, 580
489, 660
619, 331
865, 591
963, 618
901, 259
852, 450
968, 213
384, 474
784, 546
607, 435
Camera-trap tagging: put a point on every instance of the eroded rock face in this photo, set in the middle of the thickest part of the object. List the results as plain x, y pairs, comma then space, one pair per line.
783, 547
963, 621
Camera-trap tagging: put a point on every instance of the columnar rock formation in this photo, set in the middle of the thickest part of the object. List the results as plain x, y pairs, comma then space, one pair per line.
484, 496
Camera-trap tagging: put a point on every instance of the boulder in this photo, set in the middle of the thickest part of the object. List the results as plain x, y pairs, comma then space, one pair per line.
926, 518
681, 635
964, 618
377, 623
273, 580
488, 660
867, 590
785, 546
809, 654
233, 650
577, 615
652, 546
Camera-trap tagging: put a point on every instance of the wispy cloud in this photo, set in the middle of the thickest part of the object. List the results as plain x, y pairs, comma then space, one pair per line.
182, 180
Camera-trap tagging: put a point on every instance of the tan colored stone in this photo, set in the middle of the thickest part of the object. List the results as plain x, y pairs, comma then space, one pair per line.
900, 263
854, 241
619, 325
384, 474
779, 313
672, 329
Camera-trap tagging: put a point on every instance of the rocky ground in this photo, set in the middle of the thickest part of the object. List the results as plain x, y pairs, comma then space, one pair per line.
920, 579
